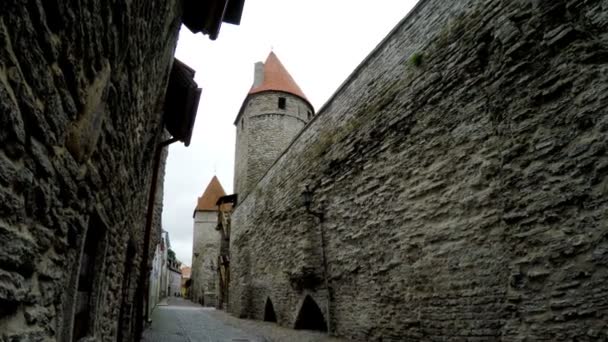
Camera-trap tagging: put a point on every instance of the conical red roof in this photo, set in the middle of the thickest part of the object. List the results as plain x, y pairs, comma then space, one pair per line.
277, 78
213, 192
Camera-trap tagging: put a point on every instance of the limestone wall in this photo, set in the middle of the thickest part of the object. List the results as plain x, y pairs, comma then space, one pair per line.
205, 249
81, 96
462, 171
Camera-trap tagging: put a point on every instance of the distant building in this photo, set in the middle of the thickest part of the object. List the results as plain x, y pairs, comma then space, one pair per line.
206, 245
154, 289
174, 288
186, 272
165, 246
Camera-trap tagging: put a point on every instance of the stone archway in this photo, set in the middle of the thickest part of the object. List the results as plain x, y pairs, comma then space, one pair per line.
310, 316
88, 281
269, 314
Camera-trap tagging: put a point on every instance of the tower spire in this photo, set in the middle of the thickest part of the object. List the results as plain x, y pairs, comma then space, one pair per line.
275, 77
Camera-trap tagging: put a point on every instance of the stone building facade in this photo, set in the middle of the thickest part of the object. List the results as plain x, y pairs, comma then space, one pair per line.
458, 182
174, 288
82, 95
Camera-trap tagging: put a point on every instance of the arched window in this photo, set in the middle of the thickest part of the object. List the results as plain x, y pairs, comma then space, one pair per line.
310, 316
269, 314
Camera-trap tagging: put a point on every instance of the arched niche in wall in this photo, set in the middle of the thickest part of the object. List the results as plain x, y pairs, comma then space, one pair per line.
84, 286
269, 314
310, 316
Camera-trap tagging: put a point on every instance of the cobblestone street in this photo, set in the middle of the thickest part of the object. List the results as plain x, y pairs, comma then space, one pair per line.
179, 320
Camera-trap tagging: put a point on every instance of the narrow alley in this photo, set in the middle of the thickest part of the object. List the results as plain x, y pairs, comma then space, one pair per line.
179, 320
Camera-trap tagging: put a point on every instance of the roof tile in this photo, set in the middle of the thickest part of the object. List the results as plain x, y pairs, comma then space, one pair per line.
212, 193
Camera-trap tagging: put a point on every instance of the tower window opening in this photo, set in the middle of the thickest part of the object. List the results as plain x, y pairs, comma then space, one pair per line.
309, 115
242, 123
282, 102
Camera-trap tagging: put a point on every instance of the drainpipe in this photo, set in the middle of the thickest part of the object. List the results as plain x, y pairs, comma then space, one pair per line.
142, 316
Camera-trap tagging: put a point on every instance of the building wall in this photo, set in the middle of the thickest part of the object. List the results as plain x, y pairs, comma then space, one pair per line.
263, 132
461, 170
175, 284
154, 290
206, 243
81, 96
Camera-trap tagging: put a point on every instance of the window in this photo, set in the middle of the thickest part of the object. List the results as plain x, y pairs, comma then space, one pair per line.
242, 123
309, 115
282, 102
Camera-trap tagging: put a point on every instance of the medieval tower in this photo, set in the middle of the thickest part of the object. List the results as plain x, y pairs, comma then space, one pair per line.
273, 113
206, 245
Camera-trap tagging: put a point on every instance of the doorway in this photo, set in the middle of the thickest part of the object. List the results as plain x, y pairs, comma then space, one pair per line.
310, 316
88, 278
269, 314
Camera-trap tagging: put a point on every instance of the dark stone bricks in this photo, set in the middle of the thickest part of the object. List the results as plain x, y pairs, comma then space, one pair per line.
13, 288
18, 253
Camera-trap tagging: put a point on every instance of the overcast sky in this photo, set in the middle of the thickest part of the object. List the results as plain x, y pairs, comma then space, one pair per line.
320, 42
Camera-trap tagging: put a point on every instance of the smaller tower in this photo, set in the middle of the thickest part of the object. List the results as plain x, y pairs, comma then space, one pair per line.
206, 246
273, 113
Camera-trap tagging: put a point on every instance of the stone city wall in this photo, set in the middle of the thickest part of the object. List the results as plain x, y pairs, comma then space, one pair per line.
81, 99
462, 173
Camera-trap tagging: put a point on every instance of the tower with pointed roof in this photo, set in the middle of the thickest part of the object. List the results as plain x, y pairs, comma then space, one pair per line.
273, 113
206, 245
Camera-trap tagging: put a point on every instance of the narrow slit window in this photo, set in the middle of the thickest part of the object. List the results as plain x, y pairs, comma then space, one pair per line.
282, 102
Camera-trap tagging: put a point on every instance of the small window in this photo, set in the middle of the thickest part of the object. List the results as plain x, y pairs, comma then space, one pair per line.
242, 123
282, 103
309, 115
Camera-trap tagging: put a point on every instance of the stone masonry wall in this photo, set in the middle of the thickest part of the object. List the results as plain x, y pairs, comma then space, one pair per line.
81, 96
462, 171
263, 132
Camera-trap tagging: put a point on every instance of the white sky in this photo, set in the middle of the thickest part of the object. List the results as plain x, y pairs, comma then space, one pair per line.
320, 42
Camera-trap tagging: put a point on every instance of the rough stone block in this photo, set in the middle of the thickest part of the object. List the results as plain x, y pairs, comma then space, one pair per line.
20, 253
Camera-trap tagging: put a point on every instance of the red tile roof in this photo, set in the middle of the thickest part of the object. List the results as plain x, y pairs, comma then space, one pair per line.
277, 78
186, 272
213, 192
